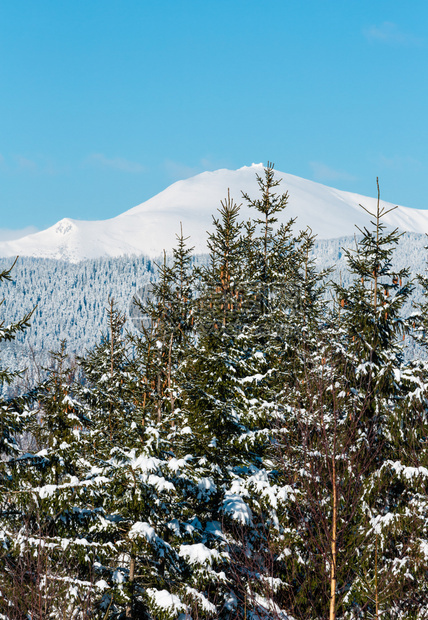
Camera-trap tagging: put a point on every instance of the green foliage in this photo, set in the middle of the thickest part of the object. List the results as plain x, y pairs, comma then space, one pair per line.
10, 421
257, 450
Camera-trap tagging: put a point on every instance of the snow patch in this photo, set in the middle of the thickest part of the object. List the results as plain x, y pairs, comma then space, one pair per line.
162, 599
235, 506
143, 530
199, 554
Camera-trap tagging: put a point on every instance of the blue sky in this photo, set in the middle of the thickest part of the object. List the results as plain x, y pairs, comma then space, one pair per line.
105, 103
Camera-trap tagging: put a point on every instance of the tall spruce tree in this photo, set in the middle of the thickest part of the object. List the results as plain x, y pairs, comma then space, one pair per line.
147, 526
279, 289
230, 384
214, 400
373, 334
12, 425
296, 395
46, 511
10, 422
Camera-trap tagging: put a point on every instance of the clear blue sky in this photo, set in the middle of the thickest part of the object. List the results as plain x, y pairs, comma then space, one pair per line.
106, 102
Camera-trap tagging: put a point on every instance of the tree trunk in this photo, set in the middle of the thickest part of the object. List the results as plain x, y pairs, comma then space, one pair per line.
130, 606
376, 584
333, 577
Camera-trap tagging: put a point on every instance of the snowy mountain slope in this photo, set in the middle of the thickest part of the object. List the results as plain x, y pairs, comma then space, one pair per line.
151, 227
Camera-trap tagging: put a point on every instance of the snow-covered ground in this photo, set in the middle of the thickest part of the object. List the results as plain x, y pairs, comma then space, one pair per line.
151, 227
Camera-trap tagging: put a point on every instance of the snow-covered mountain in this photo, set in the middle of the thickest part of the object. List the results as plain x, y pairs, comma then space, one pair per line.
151, 227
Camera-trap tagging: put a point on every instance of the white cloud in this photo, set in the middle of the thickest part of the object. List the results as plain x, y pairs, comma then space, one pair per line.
8, 234
388, 32
322, 172
116, 163
40, 165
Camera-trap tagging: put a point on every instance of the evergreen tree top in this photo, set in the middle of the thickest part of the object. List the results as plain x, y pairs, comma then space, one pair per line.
270, 202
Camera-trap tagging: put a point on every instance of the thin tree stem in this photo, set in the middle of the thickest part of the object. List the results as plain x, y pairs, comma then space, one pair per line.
333, 577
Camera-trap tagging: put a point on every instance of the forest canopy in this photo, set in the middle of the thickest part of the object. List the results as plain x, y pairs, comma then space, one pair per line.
257, 449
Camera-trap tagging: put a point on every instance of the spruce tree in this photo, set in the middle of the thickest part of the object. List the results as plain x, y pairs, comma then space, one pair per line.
285, 288
212, 398
12, 425
303, 416
267, 207
373, 328
227, 411
165, 338
146, 528
10, 421
46, 509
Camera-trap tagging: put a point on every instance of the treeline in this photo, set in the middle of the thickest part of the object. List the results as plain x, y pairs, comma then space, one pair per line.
258, 450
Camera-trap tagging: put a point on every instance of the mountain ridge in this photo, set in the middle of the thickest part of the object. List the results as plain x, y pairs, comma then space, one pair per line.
151, 227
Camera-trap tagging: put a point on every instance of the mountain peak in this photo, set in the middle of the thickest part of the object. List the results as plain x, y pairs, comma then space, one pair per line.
65, 226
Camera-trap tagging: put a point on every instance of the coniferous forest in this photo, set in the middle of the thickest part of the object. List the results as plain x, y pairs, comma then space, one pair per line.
257, 450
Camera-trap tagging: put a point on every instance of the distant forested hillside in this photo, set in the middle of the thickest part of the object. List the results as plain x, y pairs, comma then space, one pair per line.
71, 299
